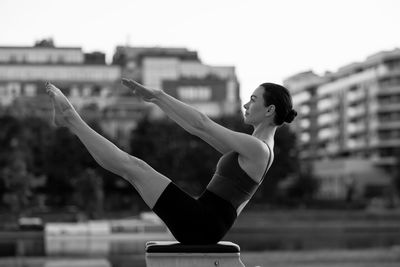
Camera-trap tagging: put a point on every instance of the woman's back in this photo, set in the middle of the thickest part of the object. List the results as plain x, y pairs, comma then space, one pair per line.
232, 183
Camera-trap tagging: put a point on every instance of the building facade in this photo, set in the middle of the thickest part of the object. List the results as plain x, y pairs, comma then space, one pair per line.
214, 90
353, 113
94, 87
303, 87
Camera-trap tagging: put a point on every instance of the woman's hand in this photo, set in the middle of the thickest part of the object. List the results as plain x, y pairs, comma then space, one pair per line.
148, 95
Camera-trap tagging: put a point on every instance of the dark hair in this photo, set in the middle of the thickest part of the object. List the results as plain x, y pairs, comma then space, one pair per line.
279, 96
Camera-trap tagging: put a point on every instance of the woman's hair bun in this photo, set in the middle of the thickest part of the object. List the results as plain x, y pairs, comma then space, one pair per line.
290, 116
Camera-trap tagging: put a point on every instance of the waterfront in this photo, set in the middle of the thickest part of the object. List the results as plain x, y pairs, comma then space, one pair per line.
315, 258
266, 239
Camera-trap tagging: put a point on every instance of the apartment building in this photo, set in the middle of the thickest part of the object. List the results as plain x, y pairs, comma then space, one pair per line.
303, 87
178, 71
92, 86
353, 113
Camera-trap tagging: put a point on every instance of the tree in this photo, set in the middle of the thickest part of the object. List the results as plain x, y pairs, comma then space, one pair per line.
10, 135
35, 137
303, 187
52, 157
88, 193
66, 158
285, 163
18, 183
397, 172
15, 156
45, 43
184, 158
190, 162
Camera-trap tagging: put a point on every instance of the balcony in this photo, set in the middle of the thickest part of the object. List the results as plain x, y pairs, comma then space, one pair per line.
384, 161
327, 134
388, 125
390, 143
322, 109
356, 112
388, 107
327, 119
356, 144
355, 128
355, 96
389, 90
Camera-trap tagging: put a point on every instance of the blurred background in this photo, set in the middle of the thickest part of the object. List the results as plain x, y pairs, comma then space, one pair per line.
331, 196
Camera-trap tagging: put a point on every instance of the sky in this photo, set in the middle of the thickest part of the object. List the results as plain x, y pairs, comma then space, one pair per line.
266, 40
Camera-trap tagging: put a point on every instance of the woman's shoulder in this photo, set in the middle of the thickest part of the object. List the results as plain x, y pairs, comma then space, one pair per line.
257, 166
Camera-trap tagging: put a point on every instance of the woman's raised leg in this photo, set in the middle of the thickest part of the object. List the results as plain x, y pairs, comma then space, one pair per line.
149, 183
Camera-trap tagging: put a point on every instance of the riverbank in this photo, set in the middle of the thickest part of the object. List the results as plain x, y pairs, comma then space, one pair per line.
266, 218
324, 258
253, 218
317, 258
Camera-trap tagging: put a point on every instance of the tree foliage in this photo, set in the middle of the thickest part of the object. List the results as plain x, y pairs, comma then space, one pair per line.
49, 42
20, 159
88, 193
31, 148
304, 187
169, 149
397, 172
18, 184
190, 162
285, 163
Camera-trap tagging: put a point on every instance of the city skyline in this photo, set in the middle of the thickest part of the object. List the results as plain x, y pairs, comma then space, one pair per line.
264, 40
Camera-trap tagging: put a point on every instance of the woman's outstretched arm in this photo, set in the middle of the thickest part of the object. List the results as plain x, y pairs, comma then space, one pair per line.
187, 117
197, 123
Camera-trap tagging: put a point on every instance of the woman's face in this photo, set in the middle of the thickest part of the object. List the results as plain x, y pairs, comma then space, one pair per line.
255, 110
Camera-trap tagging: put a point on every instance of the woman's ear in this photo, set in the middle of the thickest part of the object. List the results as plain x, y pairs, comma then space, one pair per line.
270, 110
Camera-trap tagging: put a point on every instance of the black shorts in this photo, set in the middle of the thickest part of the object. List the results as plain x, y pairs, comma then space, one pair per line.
205, 220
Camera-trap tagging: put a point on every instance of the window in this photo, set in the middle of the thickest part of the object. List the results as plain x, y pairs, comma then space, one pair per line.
87, 91
353, 88
386, 152
13, 59
393, 64
305, 123
327, 104
14, 89
304, 109
194, 93
96, 90
391, 99
305, 137
61, 59
30, 90
74, 92
389, 81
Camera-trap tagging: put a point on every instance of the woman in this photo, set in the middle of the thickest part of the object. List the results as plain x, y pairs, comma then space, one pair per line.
241, 169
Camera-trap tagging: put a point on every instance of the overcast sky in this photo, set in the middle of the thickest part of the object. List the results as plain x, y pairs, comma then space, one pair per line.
267, 40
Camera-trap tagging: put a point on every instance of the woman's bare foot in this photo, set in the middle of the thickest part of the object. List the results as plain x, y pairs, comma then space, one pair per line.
63, 111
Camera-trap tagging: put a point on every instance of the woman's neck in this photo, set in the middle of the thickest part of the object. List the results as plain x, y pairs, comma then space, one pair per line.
265, 132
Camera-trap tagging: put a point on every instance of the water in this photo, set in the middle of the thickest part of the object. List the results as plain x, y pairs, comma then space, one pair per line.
311, 239
119, 250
